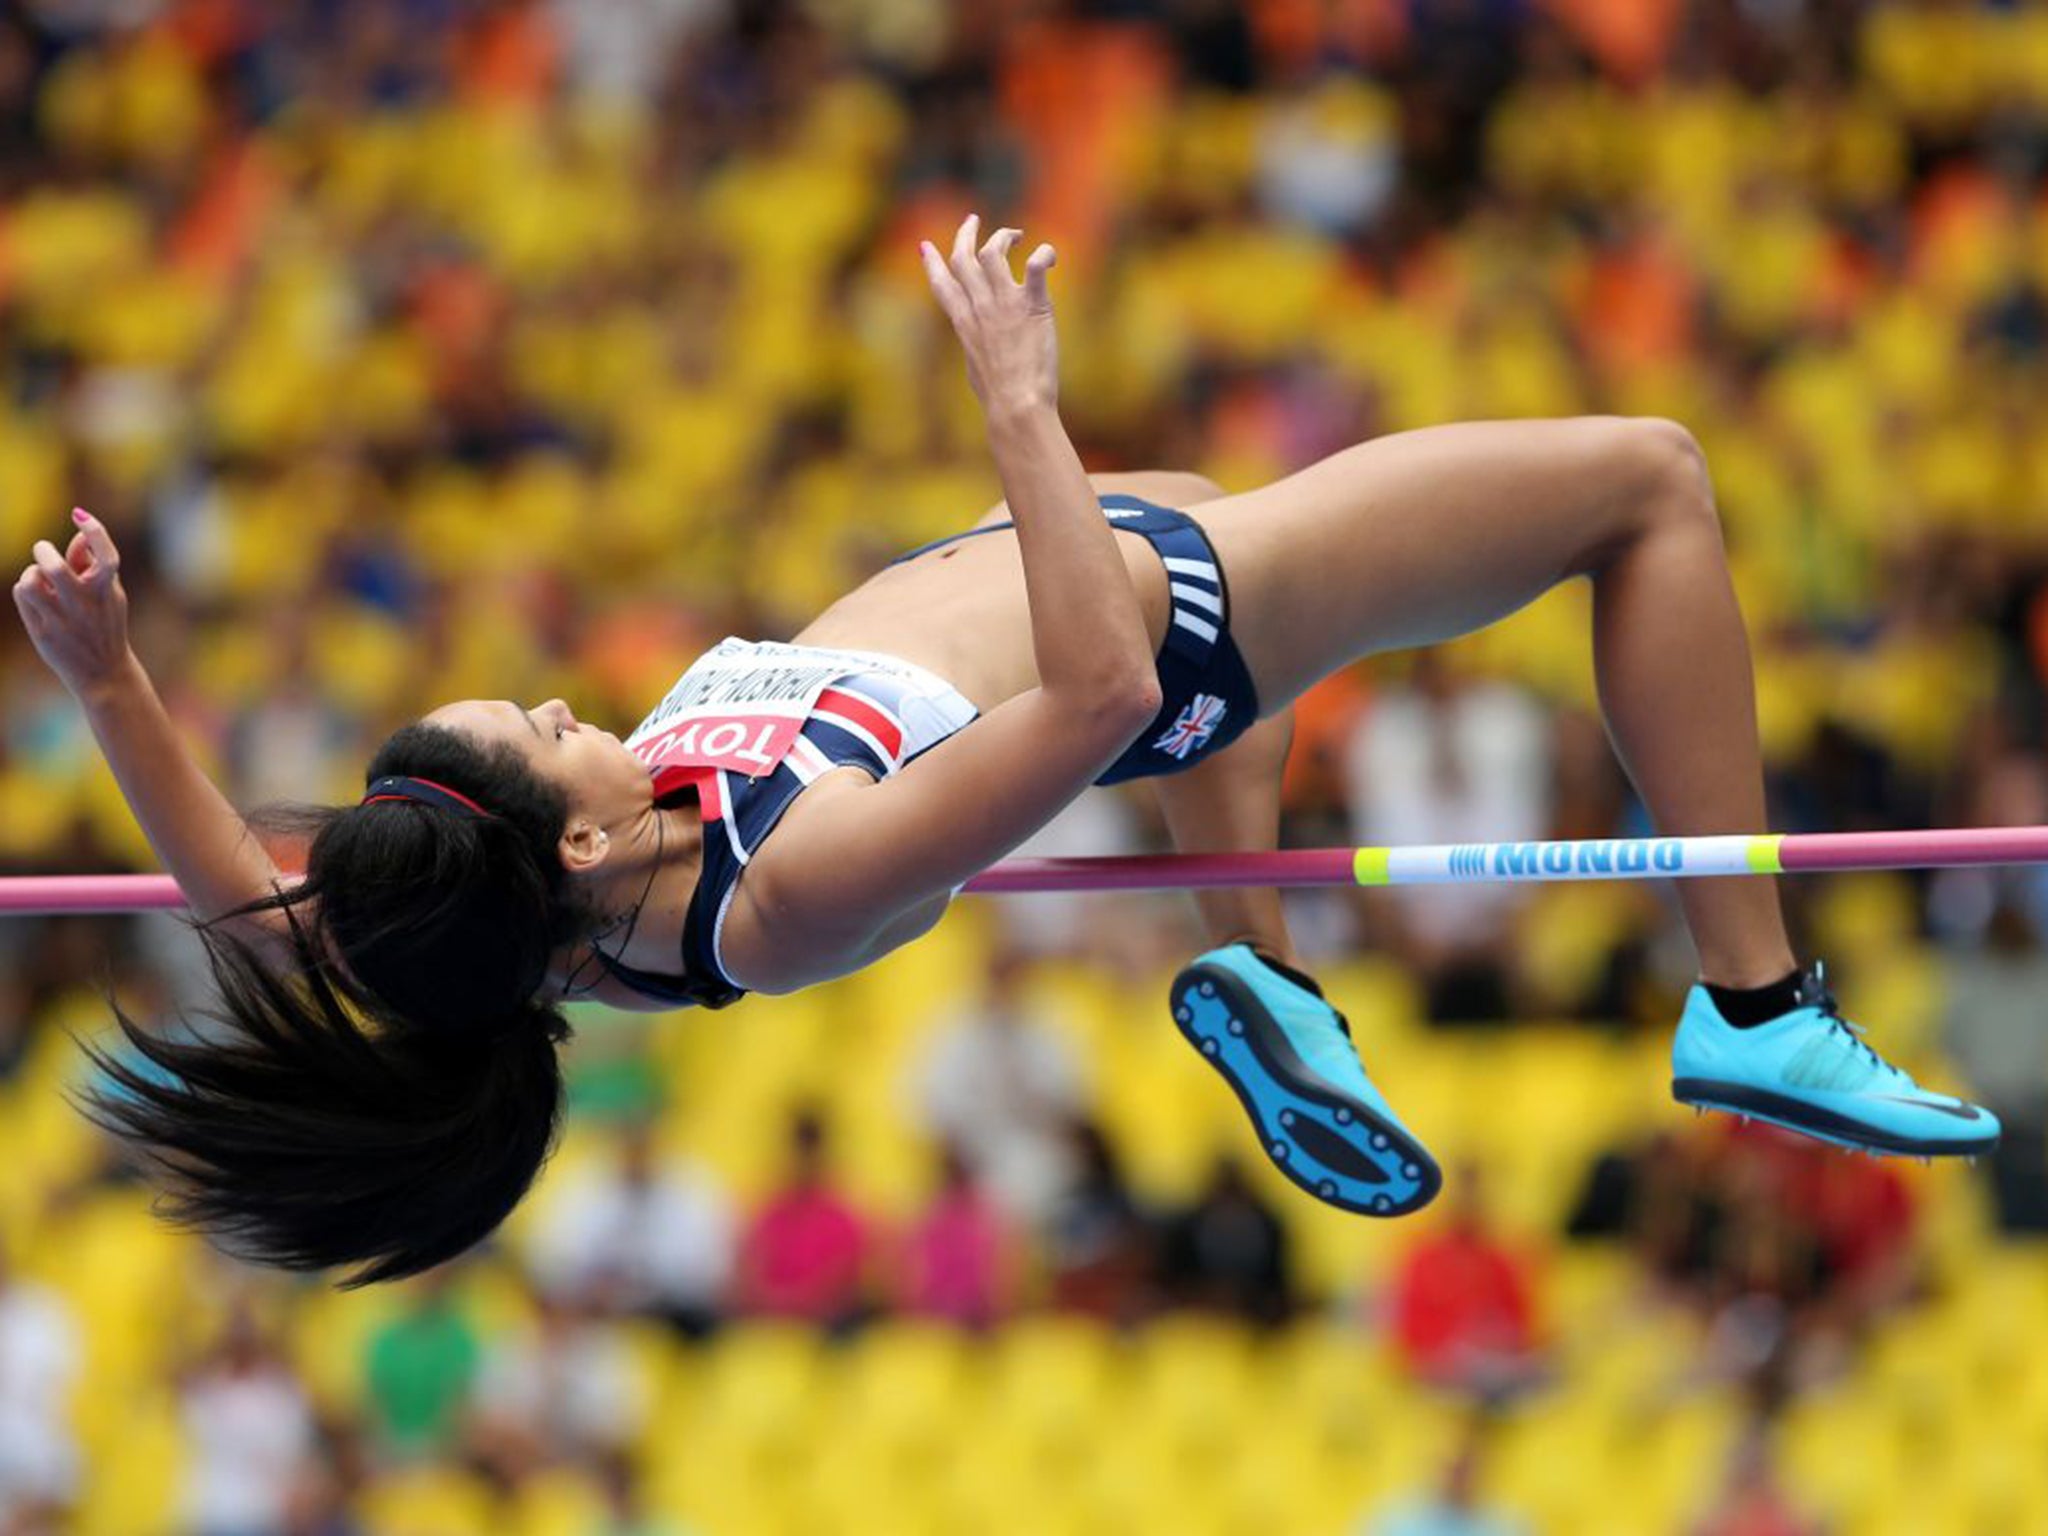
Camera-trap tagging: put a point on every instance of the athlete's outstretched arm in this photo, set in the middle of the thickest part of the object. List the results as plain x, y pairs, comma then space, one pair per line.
76, 613
1087, 631
872, 854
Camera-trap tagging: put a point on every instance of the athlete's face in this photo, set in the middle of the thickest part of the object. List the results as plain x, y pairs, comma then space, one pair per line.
604, 782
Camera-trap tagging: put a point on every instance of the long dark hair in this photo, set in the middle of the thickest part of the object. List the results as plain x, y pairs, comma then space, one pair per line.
385, 1101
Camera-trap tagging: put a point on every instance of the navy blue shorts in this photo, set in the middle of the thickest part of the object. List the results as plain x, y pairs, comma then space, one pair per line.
1208, 693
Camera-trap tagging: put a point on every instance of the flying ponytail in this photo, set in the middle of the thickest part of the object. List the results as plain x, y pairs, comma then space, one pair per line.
385, 1100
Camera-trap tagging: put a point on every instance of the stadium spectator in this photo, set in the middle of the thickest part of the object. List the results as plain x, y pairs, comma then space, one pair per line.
1864, 1216
1991, 1026
41, 1357
568, 1387
1462, 1308
649, 1233
1455, 1506
999, 1084
328, 1498
617, 55
420, 1369
808, 1251
626, 1511
250, 1430
1704, 1213
1099, 1247
323, 1500
287, 740
1446, 758
1787, 1253
957, 1262
1227, 1252
1752, 1501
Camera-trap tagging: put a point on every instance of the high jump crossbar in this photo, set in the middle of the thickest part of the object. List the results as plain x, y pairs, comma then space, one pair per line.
1628, 858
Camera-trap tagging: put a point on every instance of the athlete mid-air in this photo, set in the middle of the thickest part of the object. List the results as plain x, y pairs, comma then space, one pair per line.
385, 1085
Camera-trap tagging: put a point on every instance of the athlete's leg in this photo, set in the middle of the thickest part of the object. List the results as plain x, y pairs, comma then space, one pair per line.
1230, 803
1262, 1024
1426, 535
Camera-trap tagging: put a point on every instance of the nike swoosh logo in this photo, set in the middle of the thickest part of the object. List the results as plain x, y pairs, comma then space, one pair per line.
1954, 1111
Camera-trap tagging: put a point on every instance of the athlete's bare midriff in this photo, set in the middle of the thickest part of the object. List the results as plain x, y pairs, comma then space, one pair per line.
961, 611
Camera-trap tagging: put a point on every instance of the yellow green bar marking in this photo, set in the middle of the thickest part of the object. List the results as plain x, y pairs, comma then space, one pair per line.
1764, 854
1369, 866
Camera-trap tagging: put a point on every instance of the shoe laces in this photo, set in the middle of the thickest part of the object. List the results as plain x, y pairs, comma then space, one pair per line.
1815, 993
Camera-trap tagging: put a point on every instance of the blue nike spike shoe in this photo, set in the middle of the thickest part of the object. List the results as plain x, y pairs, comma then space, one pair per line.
1288, 1056
1810, 1071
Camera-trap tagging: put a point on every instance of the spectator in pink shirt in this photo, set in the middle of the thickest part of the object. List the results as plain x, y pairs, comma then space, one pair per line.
956, 1258
807, 1251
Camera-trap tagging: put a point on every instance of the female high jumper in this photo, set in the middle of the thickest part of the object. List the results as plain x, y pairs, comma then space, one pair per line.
385, 1084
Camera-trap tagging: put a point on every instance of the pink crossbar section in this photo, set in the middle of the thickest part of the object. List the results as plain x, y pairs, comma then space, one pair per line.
1168, 872
36, 895
32, 895
1940, 849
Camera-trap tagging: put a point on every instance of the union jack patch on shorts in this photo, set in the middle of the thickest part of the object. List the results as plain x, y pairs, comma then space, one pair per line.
1193, 727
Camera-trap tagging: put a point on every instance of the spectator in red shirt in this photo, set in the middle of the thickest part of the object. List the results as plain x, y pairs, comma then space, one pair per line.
807, 1251
1463, 1308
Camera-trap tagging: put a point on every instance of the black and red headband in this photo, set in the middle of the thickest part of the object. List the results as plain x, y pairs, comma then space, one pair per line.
398, 786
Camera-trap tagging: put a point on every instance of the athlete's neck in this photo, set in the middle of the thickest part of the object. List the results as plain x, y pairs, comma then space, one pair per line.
658, 872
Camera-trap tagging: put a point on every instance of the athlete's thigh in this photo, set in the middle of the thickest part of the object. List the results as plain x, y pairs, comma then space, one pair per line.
1420, 536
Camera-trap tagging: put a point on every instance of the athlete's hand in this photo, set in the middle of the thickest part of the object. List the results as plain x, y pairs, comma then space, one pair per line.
74, 609
1005, 327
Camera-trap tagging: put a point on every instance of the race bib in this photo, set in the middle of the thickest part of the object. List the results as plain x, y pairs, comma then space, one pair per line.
739, 708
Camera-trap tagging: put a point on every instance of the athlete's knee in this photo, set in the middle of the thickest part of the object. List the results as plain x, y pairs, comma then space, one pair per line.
1653, 483
1680, 489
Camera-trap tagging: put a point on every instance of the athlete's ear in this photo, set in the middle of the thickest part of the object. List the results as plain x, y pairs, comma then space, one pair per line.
584, 846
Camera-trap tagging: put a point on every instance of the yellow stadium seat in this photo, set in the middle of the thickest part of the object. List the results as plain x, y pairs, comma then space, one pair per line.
1330, 1371
1052, 1380
430, 1501
1191, 1380
1282, 1478
1020, 1496
557, 1502
135, 1472
907, 1384
764, 1367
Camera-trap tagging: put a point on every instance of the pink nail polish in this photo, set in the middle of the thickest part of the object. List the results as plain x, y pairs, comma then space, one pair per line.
80, 515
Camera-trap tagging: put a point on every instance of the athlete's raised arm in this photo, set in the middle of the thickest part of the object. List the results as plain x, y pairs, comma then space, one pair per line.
76, 613
1087, 633
870, 854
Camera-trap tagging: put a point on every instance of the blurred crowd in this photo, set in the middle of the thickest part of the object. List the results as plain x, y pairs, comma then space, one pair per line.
572, 1346
420, 349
